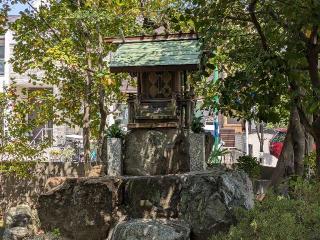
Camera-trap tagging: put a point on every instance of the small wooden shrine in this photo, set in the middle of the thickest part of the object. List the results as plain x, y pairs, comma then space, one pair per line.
164, 98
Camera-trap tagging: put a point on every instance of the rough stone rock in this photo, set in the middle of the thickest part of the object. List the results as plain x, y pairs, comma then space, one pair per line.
114, 146
16, 233
81, 209
89, 208
141, 229
20, 216
53, 182
207, 201
155, 152
97, 171
19, 222
237, 189
152, 196
197, 151
47, 236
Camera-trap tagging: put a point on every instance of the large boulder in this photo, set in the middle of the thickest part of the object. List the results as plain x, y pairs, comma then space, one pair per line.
236, 189
20, 222
53, 182
90, 208
97, 171
47, 236
20, 216
152, 196
81, 208
207, 201
16, 233
156, 152
142, 229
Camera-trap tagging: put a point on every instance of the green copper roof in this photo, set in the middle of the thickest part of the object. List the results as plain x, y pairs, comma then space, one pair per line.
178, 53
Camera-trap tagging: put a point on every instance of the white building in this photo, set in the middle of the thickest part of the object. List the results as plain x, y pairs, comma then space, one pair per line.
59, 134
6, 45
7, 76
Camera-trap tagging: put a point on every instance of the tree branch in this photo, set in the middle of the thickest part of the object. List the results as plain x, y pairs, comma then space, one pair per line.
74, 66
303, 117
286, 26
314, 35
252, 7
44, 20
238, 18
312, 56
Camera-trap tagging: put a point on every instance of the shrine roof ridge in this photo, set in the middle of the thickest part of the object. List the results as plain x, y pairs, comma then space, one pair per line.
153, 38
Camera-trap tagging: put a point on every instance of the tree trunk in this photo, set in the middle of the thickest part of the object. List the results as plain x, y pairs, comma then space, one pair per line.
260, 134
298, 138
312, 57
102, 125
316, 128
102, 108
86, 130
318, 155
285, 157
309, 144
291, 160
286, 154
262, 137
86, 114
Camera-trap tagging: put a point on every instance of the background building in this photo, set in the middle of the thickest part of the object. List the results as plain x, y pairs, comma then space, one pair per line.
7, 76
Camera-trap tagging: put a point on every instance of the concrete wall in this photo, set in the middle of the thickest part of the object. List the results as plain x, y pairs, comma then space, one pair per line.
14, 190
268, 159
240, 140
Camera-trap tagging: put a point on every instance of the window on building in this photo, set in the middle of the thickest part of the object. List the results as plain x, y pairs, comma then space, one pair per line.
1, 59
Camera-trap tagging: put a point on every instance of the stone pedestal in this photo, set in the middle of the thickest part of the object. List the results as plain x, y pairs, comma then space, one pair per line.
114, 156
156, 152
197, 151
89, 208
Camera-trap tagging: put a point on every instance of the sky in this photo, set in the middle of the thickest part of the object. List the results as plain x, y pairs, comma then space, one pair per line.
17, 8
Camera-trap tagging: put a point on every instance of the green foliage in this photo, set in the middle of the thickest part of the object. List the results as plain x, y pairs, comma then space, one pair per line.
264, 60
216, 155
56, 232
15, 145
17, 168
250, 165
287, 218
66, 154
64, 40
197, 124
115, 131
61, 38
310, 164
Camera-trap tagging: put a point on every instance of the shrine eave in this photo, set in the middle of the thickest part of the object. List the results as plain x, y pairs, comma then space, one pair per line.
135, 69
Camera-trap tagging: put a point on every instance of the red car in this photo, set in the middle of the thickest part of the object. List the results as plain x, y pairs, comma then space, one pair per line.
276, 142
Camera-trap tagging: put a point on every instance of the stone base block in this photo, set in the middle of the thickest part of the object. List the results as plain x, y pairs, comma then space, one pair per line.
156, 152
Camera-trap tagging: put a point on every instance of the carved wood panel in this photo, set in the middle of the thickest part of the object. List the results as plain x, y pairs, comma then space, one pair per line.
157, 85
